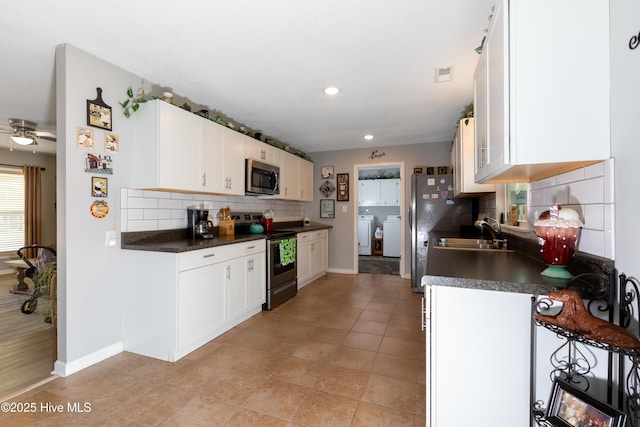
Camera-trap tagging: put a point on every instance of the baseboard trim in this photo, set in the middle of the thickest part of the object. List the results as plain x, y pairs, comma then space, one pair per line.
341, 271
65, 369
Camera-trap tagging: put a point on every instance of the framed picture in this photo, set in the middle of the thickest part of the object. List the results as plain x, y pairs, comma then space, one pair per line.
443, 170
431, 170
327, 208
326, 172
111, 143
98, 113
102, 164
84, 137
343, 187
570, 406
418, 171
99, 186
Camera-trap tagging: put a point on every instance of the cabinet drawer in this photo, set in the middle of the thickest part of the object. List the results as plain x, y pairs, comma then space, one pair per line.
200, 258
304, 237
204, 257
320, 234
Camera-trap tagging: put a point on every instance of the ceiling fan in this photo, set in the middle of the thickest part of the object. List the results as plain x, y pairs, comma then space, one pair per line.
24, 132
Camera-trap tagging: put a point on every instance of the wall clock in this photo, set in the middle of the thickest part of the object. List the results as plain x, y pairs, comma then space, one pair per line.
327, 188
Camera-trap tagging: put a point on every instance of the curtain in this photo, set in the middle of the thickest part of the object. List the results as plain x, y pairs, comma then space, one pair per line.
32, 211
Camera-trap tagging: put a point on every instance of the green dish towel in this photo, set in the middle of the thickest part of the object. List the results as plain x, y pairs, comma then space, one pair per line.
287, 251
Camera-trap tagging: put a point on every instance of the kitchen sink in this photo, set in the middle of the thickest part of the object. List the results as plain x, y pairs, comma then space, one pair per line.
471, 244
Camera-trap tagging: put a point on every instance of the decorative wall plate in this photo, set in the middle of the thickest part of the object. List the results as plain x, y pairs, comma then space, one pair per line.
99, 209
327, 188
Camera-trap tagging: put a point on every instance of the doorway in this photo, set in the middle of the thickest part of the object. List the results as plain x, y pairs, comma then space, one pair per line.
379, 226
28, 341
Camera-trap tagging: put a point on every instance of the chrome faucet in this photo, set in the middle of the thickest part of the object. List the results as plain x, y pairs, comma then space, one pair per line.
491, 225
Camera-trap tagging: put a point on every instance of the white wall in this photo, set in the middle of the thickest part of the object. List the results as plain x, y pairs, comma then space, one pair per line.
342, 236
90, 285
625, 136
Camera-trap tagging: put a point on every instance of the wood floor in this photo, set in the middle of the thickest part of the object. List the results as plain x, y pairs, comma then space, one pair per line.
27, 350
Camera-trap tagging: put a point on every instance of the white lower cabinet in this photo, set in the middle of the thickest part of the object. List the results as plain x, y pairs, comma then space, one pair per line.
200, 306
477, 357
175, 303
312, 257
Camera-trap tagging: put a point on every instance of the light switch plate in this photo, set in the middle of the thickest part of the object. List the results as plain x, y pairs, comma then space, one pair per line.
110, 238
344, 208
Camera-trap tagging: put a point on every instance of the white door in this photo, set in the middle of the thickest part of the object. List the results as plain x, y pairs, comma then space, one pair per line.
364, 237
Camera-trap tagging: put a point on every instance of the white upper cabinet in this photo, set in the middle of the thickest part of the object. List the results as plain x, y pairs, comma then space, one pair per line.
254, 149
175, 149
369, 192
289, 184
541, 90
305, 175
462, 159
296, 178
389, 192
167, 147
379, 192
223, 160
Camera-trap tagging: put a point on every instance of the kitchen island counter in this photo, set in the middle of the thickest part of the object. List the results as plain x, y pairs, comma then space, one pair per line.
506, 271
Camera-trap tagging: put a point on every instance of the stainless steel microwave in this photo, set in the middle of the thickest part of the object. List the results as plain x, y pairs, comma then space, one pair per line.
261, 178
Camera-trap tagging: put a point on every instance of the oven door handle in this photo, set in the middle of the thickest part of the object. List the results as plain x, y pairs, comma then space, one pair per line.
277, 290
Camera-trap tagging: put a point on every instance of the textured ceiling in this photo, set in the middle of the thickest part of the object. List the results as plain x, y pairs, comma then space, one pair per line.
264, 63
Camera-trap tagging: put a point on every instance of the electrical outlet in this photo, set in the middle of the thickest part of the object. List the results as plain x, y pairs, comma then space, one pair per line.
110, 238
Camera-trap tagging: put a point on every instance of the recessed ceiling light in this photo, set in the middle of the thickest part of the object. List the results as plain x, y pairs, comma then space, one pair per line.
331, 90
368, 137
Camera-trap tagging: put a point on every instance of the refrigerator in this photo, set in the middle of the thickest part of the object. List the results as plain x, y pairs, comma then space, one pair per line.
432, 208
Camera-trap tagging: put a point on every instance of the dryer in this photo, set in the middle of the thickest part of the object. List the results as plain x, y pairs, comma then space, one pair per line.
391, 229
365, 233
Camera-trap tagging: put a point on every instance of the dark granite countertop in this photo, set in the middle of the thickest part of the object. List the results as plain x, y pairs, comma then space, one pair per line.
506, 271
175, 241
299, 228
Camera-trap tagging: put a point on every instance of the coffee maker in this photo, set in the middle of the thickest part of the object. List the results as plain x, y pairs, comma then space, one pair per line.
199, 225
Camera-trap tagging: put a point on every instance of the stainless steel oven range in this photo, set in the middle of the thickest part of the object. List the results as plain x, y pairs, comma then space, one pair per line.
282, 266
282, 269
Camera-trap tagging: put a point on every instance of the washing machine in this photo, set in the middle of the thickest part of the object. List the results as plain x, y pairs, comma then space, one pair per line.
365, 233
391, 228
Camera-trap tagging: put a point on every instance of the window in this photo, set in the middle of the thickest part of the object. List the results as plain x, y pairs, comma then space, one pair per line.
11, 209
517, 204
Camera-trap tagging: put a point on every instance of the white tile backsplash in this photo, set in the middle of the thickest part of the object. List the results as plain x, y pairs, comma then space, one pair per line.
147, 210
585, 192
589, 191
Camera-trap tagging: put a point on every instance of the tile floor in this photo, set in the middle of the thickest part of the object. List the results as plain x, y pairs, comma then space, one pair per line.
346, 351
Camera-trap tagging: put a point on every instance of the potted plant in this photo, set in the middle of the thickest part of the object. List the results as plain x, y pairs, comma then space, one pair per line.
132, 104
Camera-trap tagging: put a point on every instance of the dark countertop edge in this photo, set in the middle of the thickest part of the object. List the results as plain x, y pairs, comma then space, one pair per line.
595, 276
175, 240
186, 245
295, 226
488, 285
